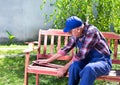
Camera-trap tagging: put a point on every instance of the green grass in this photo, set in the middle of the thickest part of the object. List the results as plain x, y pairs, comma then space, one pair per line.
12, 73
11, 49
12, 69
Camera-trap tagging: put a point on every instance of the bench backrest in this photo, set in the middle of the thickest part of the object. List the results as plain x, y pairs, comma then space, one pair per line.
50, 41
113, 40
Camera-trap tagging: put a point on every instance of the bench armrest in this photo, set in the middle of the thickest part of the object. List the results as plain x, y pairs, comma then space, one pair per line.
27, 54
31, 46
34, 42
27, 50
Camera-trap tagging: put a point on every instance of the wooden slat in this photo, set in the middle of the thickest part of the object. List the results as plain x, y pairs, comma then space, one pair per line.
57, 33
109, 78
116, 61
66, 40
39, 42
115, 48
52, 44
45, 44
42, 70
59, 43
109, 42
50, 65
113, 75
111, 35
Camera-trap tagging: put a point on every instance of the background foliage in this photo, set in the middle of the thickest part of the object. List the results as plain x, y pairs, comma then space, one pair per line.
104, 14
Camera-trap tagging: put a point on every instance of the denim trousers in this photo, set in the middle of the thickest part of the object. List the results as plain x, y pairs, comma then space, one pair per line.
84, 72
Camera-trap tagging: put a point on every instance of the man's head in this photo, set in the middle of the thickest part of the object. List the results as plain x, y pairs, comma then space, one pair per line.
74, 25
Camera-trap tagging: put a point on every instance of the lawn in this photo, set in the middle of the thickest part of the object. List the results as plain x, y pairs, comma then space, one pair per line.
12, 69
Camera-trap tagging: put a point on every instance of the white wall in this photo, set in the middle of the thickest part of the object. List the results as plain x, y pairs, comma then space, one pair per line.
22, 18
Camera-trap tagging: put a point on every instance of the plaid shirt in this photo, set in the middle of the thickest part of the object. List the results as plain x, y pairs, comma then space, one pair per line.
91, 38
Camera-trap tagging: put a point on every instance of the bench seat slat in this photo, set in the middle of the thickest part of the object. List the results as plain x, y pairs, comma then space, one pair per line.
115, 61
42, 70
114, 75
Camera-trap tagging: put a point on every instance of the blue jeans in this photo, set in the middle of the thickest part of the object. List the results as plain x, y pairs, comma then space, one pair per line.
85, 72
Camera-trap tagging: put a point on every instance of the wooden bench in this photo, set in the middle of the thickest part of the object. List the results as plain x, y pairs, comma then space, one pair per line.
50, 41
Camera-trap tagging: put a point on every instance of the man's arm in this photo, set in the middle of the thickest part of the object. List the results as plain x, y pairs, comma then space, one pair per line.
62, 71
54, 57
61, 52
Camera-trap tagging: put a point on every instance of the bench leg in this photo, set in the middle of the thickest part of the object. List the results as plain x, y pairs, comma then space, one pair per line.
26, 69
119, 83
37, 79
26, 78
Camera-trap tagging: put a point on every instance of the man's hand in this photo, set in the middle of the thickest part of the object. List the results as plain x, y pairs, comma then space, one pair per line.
61, 72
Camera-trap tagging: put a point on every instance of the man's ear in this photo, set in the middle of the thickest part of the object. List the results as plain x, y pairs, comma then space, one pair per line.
78, 29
